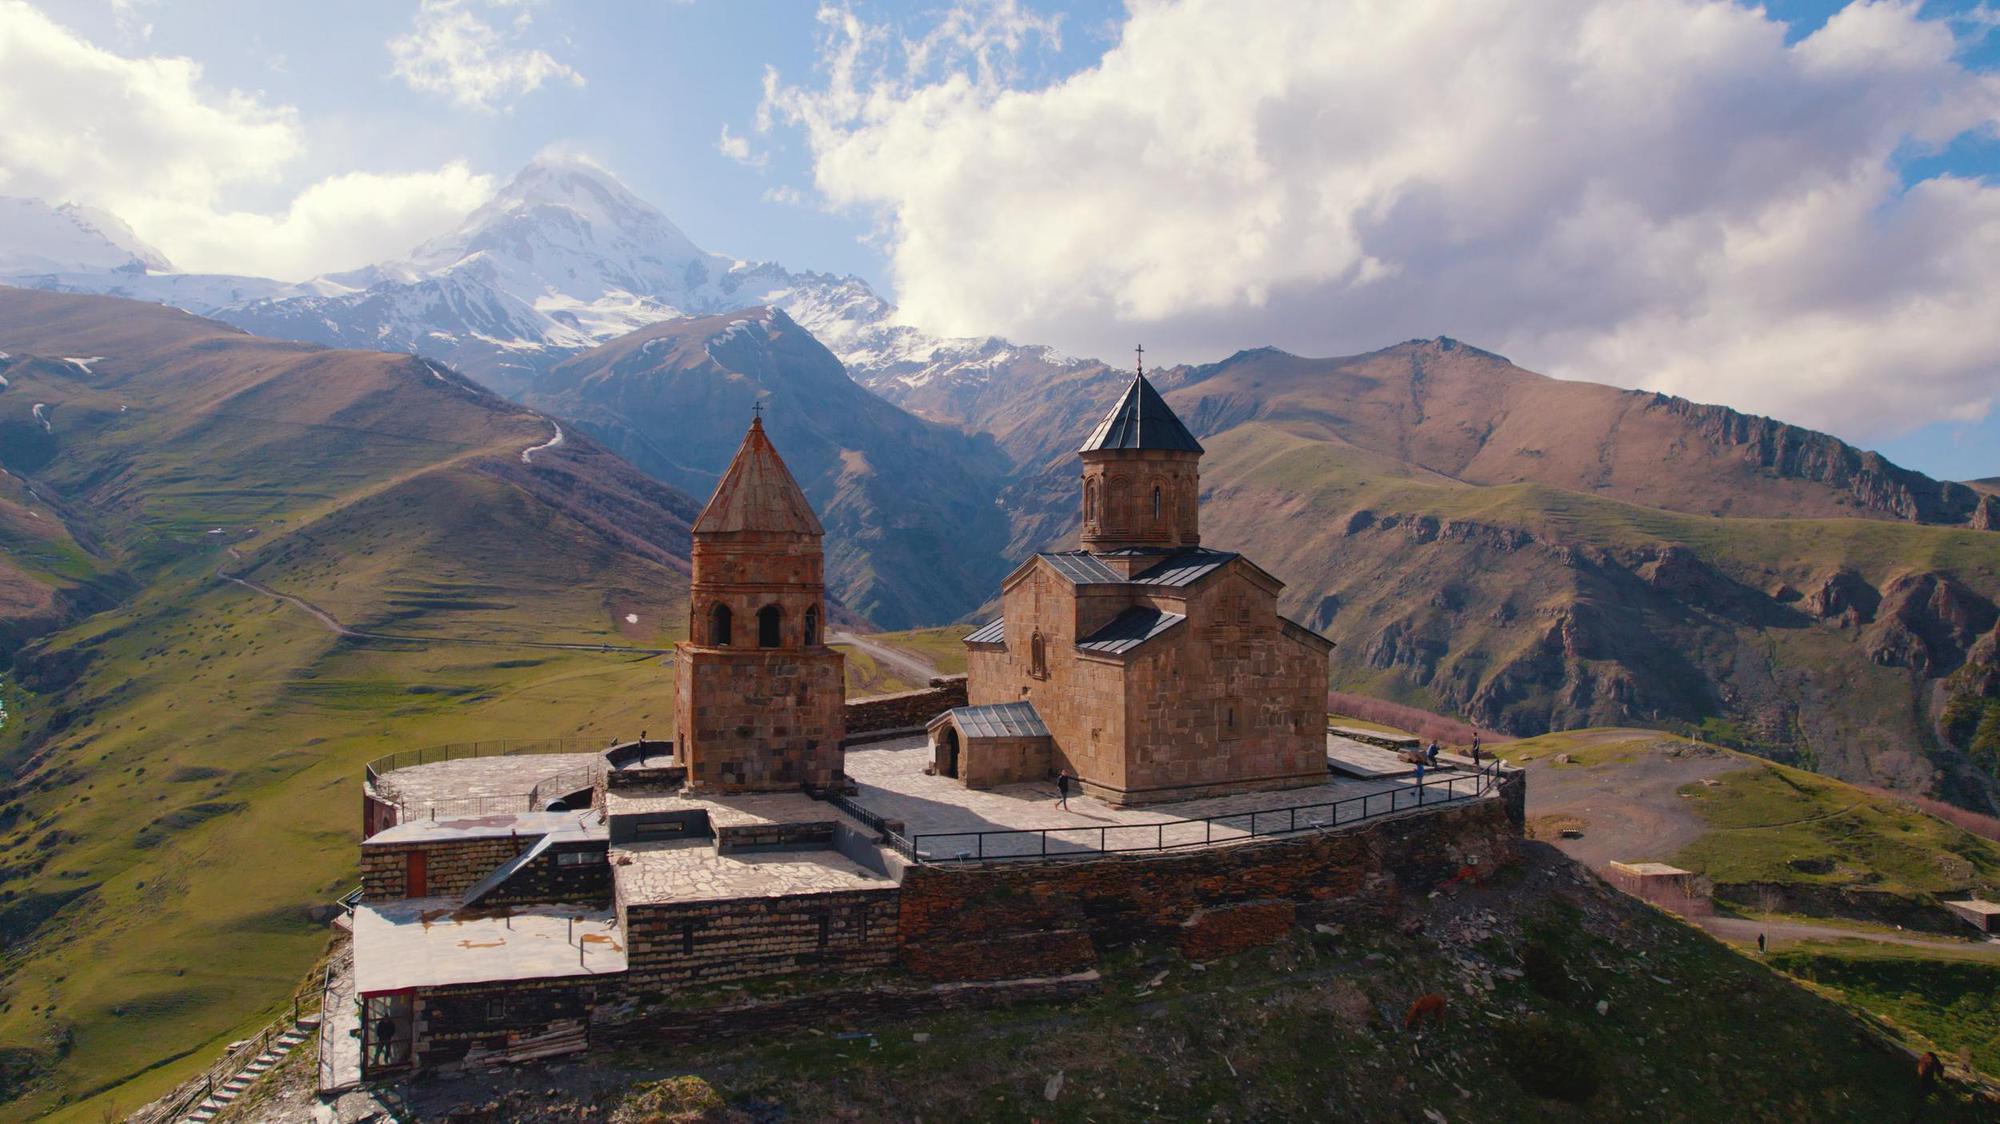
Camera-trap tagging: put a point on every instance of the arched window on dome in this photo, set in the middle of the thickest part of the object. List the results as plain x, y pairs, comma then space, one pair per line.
812, 627
1156, 503
718, 625
1090, 501
769, 620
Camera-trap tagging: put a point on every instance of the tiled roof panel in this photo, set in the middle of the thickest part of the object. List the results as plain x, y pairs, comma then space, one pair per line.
1141, 420
993, 632
1185, 568
1081, 568
1001, 720
1128, 630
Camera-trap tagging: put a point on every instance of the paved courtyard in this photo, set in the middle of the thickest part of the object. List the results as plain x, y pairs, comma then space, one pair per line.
683, 870
482, 784
944, 819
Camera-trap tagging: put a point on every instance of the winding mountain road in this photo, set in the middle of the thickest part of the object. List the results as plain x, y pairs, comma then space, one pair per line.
910, 664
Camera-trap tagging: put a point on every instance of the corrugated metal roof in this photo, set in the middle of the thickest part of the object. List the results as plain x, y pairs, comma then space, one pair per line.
1001, 720
1141, 420
1128, 630
1185, 568
993, 632
1081, 568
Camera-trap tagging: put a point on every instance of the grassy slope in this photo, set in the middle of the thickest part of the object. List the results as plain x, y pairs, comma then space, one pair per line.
1951, 1000
186, 780
1772, 823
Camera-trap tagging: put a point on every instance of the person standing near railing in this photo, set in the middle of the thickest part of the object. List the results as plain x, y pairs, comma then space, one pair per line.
1063, 782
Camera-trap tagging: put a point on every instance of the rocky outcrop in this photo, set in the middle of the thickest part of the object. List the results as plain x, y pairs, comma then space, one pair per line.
1928, 622
1844, 596
1873, 483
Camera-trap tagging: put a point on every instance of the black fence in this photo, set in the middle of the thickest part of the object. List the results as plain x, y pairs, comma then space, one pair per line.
1201, 831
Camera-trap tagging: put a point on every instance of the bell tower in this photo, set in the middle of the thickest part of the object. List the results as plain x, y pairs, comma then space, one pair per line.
760, 698
1141, 477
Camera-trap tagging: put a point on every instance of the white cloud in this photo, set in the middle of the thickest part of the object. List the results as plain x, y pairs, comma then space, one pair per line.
141, 138
1652, 192
736, 146
451, 49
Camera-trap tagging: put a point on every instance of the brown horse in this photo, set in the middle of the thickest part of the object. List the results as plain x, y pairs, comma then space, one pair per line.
1426, 1007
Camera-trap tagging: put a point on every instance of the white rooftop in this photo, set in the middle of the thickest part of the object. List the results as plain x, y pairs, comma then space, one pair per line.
430, 942
686, 870
494, 826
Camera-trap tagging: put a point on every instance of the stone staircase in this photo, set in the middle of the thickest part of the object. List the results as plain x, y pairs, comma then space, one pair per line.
250, 1074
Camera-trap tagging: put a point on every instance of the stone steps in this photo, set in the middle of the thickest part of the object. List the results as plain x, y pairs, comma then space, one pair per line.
249, 1075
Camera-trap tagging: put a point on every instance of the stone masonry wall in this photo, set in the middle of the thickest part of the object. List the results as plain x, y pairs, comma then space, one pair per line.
449, 1021
990, 762
760, 720
699, 944
998, 920
451, 867
910, 709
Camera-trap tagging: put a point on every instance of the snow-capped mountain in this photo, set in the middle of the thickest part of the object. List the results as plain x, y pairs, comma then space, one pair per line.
563, 259
38, 238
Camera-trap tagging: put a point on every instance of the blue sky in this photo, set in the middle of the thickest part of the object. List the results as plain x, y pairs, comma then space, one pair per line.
975, 225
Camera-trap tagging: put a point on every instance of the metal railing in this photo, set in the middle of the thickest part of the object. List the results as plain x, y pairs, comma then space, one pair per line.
1199, 831
191, 1093
499, 747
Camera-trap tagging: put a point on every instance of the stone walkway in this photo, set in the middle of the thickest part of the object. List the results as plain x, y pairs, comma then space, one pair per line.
948, 815
481, 784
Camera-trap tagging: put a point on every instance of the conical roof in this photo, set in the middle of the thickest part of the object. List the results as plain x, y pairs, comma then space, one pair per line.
1141, 420
757, 493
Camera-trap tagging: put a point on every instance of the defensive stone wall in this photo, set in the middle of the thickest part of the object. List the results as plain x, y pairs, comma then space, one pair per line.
451, 867
908, 710
1048, 918
450, 1021
673, 946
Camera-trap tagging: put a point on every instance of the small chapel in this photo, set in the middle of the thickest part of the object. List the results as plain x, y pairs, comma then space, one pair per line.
1149, 666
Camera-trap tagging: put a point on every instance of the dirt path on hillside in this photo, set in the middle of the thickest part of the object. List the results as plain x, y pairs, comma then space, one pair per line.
909, 663
334, 625
1779, 933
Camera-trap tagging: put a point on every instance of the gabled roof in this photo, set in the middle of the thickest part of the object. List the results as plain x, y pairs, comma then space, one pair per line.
1080, 568
1000, 720
757, 493
1185, 568
993, 632
1128, 630
1141, 420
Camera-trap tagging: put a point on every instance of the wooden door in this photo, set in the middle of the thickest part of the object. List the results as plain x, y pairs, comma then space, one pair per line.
417, 875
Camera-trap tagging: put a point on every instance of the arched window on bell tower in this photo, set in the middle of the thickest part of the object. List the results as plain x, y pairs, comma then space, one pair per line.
812, 627
769, 620
718, 625
1090, 501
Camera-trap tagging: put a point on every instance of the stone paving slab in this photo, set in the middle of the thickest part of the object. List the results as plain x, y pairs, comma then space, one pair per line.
494, 825
893, 785
747, 810
429, 942
480, 784
687, 870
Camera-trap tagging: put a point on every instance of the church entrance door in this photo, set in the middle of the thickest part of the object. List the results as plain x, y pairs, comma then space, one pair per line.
948, 752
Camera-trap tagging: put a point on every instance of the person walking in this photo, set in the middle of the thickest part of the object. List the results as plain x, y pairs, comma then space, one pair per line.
1475, 747
1063, 781
1760, 944
1420, 779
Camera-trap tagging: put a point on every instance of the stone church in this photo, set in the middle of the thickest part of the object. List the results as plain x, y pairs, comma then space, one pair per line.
1151, 667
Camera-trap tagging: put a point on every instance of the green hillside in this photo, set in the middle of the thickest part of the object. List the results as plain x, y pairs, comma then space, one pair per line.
184, 760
